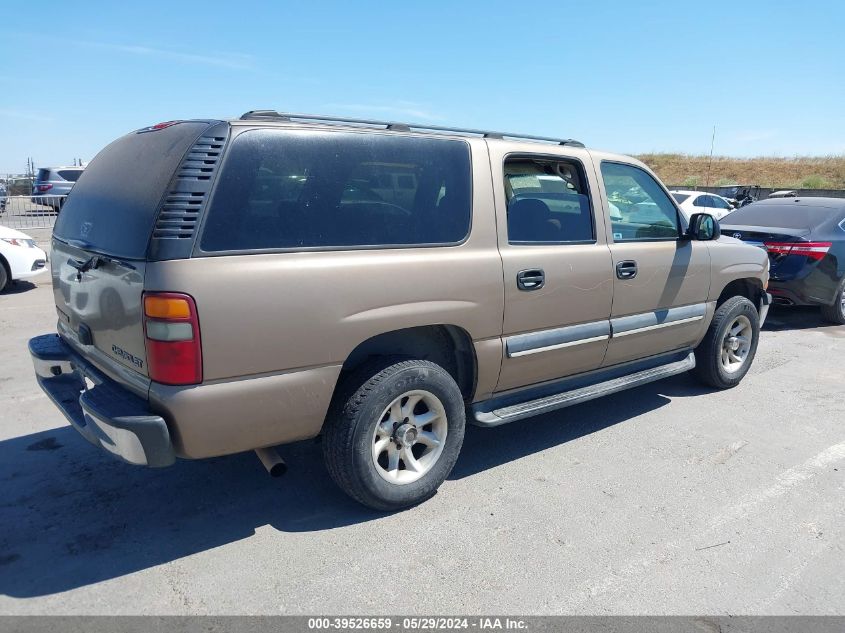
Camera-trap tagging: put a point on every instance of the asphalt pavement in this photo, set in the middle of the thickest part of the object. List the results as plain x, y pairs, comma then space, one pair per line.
667, 499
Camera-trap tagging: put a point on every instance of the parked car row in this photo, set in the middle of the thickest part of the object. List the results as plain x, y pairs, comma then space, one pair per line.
53, 184
50, 186
701, 202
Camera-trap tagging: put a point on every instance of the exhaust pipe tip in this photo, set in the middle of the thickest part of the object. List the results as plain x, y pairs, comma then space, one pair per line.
272, 461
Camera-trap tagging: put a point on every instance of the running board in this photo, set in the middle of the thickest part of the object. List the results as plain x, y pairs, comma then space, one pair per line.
576, 396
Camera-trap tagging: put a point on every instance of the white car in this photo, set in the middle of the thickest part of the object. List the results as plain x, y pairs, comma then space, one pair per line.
20, 258
701, 202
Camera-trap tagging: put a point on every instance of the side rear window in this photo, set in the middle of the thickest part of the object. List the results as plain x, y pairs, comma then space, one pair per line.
282, 189
640, 209
719, 203
71, 175
548, 201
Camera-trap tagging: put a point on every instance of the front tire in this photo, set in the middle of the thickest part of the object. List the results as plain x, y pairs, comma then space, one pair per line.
836, 313
394, 432
725, 354
4, 275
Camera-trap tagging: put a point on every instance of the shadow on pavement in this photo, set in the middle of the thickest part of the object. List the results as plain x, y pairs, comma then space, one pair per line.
71, 516
799, 318
18, 287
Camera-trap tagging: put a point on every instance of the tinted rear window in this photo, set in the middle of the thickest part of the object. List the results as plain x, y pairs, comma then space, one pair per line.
281, 189
71, 175
680, 197
788, 216
43, 175
112, 208
548, 201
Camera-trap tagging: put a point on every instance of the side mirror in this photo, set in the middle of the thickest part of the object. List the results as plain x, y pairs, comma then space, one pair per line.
703, 227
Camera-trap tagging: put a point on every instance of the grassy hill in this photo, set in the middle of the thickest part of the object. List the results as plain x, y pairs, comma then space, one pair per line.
799, 172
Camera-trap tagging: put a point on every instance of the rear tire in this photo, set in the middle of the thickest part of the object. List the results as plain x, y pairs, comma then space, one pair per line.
728, 349
393, 432
836, 313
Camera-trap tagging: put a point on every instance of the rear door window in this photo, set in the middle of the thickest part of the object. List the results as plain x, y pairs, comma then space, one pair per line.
548, 202
720, 203
283, 189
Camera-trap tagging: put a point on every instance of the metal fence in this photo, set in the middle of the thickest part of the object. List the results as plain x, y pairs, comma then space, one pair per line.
30, 212
765, 192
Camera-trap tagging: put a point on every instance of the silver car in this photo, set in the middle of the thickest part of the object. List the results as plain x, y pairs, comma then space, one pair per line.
52, 184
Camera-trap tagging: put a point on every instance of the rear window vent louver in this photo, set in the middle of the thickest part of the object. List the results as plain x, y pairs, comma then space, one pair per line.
180, 212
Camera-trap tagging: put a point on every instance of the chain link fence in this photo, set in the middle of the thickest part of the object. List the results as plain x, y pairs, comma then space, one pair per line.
22, 208
30, 212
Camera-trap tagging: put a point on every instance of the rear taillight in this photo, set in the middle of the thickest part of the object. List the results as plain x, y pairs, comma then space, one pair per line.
172, 333
43, 188
812, 250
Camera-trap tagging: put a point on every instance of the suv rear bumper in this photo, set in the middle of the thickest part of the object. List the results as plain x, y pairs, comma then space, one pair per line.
104, 413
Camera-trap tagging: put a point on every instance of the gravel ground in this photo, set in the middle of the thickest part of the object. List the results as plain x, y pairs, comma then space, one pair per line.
667, 499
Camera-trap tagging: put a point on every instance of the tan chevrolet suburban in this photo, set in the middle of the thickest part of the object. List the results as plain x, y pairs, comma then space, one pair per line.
224, 286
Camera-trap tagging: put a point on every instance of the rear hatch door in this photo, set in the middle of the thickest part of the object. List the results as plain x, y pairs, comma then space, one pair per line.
100, 246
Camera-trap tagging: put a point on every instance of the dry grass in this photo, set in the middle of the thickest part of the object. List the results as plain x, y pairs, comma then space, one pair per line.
809, 172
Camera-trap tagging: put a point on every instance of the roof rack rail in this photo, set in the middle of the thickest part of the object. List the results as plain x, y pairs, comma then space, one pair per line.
401, 127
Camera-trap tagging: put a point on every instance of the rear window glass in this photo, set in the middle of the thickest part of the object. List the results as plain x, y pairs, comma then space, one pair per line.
112, 208
680, 197
788, 216
280, 189
43, 175
70, 174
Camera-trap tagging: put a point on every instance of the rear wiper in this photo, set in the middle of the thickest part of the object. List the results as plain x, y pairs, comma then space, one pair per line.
116, 262
94, 262
88, 264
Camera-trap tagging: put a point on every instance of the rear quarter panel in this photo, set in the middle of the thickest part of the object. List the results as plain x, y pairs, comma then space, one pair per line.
266, 317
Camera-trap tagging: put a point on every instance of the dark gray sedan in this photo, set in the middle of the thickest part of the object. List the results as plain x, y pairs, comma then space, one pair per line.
805, 239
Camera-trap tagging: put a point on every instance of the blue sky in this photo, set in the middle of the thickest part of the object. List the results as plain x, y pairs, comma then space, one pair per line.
632, 77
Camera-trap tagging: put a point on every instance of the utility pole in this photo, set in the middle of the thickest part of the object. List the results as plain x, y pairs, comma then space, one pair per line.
710, 162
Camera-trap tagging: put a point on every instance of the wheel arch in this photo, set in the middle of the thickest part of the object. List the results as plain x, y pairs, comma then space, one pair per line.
449, 346
749, 287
